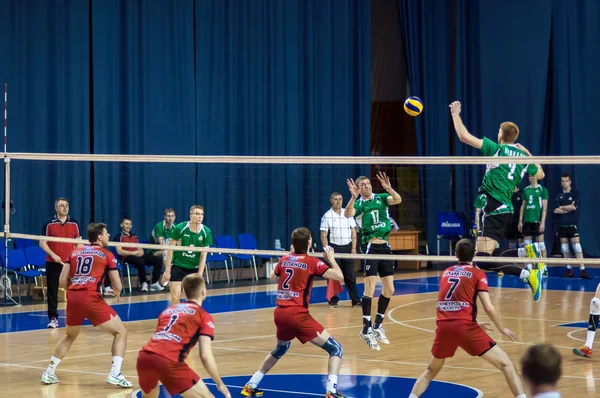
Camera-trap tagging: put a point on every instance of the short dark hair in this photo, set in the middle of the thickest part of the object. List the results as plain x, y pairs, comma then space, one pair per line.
333, 195
300, 238
169, 210
566, 175
465, 250
541, 364
195, 207
124, 219
95, 230
193, 285
510, 132
60, 199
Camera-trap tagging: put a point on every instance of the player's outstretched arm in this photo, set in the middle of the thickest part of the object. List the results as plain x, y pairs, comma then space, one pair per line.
63, 279
349, 211
384, 180
461, 131
539, 175
167, 274
491, 312
334, 272
210, 365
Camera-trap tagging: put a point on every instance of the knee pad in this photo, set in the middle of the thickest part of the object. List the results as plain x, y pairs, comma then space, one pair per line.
333, 347
542, 245
527, 242
280, 350
595, 306
564, 248
577, 248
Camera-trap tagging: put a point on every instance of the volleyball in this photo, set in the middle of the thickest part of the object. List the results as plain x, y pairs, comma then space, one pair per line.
413, 106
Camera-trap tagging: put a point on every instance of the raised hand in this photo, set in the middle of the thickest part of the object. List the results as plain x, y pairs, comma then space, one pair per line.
455, 108
384, 180
353, 188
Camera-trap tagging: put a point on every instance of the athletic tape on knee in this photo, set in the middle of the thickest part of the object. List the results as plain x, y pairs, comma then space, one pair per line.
595, 306
527, 241
564, 248
577, 248
542, 245
280, 350
333, 347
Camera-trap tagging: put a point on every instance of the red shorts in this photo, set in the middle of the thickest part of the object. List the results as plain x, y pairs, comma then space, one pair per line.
449, 335
296, 322
177, 377
83, 304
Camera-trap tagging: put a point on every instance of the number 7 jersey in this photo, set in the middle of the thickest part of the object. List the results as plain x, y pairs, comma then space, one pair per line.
457, 298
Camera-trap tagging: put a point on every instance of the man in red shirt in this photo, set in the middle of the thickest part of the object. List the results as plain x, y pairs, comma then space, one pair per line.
61, 225
82, 275
179, 329
460, 285
296, 272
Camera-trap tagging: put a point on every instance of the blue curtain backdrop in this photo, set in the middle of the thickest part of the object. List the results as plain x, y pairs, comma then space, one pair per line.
44, 60
529, 62
187, 77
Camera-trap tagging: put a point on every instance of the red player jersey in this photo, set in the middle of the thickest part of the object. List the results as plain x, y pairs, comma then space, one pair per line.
179, 329
296, 273
87, 267
457, 298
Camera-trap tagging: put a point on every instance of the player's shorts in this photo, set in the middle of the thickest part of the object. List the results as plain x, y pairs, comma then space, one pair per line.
381, 267
568, 231
177, 377
82, 304
178, 273
449, 335
495, 226
531, 229
296, 322
513, 232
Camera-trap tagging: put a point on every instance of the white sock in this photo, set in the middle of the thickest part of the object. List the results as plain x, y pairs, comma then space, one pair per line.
524, 274
522, 252
521, 396
582, 267
256, 379
115, 370
568, 267
589, 341
529, 266
52, 366
332, 383
412, 396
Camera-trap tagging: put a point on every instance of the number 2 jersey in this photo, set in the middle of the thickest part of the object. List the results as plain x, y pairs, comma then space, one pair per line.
88, 264
457, 298
179, 329
296, 273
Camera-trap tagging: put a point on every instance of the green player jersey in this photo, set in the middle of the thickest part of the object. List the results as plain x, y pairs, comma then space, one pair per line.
500, 180
480, 201
159, 231
533, 199
182, 232
373, 217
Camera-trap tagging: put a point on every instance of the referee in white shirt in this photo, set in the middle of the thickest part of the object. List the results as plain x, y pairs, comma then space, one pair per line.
541, 366
342, 237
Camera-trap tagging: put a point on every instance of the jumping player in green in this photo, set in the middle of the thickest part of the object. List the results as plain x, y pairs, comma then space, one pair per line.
182, 263
371, 212
532, 220
498, 185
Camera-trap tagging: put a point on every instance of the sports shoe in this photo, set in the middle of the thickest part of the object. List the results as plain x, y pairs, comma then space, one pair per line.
568, 274
108, 291
584, 275
500, 274
370, 339
532, 251
251, 392
542, 267
47, 378
145, 287
334, 305
380, 335
53, 323
118, 381
334, 394
156, 287
535, 283
583, 352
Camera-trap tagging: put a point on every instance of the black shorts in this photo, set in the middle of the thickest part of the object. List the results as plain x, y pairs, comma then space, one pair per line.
513, 232
531, 229
495, 226
381, 267
178, 273
568, 231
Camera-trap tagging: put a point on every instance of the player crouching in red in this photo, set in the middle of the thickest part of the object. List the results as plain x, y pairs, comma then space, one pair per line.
85, 271
179, 329
296, 272
460, 285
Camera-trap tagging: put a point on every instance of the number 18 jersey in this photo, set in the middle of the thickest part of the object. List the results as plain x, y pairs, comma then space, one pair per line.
87, 267
296, 273
457, 298
179, 329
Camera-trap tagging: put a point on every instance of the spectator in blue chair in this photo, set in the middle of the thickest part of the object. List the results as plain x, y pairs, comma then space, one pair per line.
137, 258
61, 225
161, 234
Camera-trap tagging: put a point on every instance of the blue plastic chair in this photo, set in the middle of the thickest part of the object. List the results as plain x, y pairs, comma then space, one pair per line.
228, 242
221, 261
23, 243
248, 242
18, 265
35, 256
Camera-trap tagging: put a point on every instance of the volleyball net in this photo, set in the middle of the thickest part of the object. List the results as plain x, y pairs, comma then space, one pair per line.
267, 197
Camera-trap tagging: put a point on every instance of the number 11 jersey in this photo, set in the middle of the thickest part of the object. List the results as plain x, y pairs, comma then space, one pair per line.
457, 298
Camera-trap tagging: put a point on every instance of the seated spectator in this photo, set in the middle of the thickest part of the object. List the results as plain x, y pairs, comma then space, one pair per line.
161, 234
137, 258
